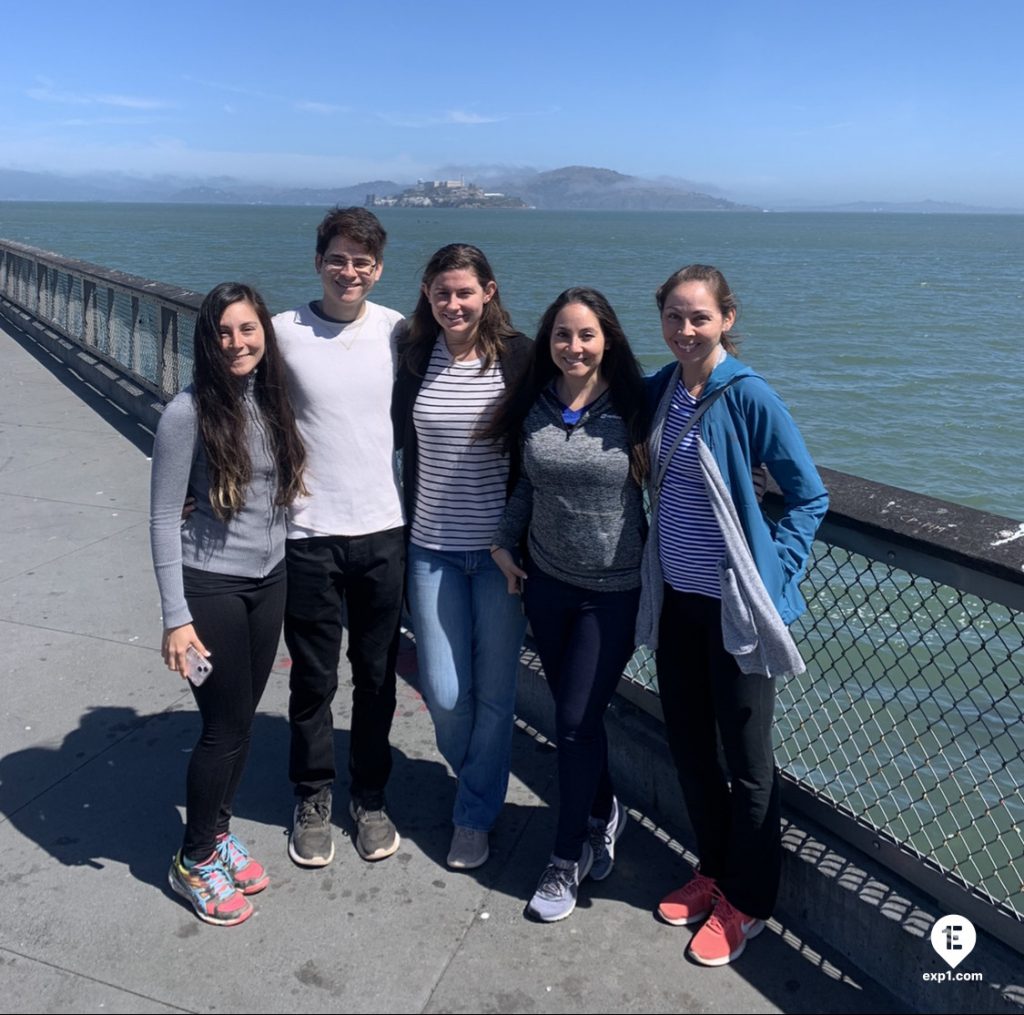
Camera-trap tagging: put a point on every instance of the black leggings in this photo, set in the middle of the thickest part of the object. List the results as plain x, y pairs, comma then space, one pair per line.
707, 701
239, 621
584, 639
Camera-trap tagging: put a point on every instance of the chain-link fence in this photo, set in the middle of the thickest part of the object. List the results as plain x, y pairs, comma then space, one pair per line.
908, 721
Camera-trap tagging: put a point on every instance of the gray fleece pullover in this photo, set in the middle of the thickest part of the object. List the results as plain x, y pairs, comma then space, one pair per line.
584, 512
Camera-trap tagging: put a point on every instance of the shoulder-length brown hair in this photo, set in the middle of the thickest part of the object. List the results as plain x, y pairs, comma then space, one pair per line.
495, 325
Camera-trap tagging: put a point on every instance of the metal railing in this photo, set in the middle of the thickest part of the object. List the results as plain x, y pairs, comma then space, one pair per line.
905, 734
138, 326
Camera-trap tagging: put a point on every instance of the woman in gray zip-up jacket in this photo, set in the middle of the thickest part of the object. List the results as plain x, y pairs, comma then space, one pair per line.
229, 441
580, 416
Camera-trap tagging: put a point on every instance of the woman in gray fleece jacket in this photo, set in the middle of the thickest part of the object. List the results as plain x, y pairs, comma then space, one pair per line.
228, 440
580, 418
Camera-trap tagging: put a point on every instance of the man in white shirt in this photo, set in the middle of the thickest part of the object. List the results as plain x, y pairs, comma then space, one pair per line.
345, 540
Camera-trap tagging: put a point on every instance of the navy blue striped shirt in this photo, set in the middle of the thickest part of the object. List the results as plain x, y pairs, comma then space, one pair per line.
690, 541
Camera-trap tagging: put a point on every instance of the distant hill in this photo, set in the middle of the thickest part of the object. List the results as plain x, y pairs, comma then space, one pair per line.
573, 187
237, 192
18, 185
568, 188
590, 188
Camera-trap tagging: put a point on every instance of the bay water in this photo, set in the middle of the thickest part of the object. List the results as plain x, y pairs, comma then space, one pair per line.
896, 340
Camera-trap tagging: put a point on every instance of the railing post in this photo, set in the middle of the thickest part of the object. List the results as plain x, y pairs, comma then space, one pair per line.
136, 354
110, 323
168, 351
89, 313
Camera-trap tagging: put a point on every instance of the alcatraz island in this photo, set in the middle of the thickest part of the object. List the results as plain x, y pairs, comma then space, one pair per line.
445, 194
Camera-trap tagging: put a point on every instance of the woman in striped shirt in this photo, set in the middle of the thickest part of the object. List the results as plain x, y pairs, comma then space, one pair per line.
457, 356
721, 584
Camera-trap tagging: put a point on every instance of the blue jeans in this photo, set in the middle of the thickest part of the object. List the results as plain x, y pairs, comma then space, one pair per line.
469, 631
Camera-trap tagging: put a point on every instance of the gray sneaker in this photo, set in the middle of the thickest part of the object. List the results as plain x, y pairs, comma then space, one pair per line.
470, 849
376, 836
310, 843
603, 836
555, 897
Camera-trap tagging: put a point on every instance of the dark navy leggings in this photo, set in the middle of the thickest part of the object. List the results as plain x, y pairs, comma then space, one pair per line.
584, 639
239, 621
732, 796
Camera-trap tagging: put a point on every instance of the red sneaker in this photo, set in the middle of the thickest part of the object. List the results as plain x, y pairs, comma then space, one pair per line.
724, 936
689, 904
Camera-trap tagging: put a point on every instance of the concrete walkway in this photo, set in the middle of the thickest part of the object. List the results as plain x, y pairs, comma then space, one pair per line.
95, 736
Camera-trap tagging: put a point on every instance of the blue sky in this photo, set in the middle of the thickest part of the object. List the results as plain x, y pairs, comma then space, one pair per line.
764, 102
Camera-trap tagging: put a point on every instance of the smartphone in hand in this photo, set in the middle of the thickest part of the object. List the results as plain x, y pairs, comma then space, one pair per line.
198, 667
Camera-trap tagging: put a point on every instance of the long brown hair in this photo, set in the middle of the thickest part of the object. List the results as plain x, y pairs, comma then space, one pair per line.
219, 401
495, 324
618, 367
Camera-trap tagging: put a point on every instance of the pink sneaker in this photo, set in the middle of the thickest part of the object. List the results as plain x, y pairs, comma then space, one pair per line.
209, 889
248, 875
689, 904
724, 936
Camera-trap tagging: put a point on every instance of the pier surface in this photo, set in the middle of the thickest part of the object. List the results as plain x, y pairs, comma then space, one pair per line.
95, 736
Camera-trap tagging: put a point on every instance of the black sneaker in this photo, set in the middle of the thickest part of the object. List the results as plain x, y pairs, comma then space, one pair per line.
310, 844
376, 837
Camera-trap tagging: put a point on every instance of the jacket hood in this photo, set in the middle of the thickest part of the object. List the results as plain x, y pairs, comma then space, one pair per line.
729, 368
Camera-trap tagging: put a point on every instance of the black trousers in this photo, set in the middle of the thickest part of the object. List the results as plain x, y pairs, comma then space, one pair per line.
366, 573
732, 798
239, 621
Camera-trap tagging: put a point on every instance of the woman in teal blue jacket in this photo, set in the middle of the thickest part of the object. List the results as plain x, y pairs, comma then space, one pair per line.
721, 586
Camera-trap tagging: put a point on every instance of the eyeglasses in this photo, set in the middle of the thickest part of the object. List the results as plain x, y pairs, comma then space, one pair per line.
360, 265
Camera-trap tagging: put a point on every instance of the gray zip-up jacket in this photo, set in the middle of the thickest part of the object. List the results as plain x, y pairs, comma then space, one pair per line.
584, 512
248, 546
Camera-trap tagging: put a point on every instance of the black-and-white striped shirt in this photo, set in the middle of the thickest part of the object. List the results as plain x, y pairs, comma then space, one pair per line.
461, 482
690, 542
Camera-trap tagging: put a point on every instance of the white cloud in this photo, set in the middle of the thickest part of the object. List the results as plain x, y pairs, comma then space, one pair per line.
326, 108
226, 86
461, 116
46, 92
106, 121
452, 116
132, 102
